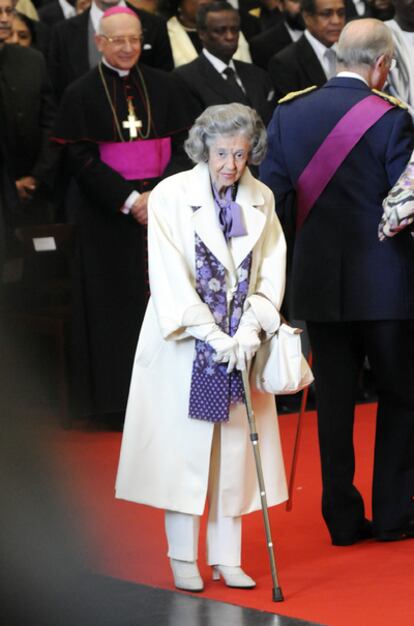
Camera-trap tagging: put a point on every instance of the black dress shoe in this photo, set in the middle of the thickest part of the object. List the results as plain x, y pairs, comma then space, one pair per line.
346, 539
397, 534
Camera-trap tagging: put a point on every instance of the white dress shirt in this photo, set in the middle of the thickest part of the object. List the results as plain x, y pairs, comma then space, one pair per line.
67, 8
320, 50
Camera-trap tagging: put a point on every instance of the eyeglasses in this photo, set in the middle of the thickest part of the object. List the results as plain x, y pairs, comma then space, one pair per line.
327, 14
9, 11
119, 42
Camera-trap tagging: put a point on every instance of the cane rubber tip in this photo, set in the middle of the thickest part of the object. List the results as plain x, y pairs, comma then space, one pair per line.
277, 594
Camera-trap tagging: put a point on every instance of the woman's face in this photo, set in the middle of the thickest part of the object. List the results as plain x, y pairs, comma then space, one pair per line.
227, 159
20, 33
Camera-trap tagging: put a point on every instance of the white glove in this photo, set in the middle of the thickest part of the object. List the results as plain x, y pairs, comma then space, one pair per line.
247, 337
223, 345
248, 343
225, 348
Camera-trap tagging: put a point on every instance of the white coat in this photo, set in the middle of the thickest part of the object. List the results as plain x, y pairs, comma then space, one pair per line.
165, 455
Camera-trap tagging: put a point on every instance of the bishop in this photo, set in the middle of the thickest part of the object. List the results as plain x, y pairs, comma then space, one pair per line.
111, 177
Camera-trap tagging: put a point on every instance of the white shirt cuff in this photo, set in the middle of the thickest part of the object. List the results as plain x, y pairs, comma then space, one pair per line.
133, 197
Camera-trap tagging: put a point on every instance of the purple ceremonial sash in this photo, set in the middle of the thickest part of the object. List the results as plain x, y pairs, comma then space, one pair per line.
136, 160
334, 150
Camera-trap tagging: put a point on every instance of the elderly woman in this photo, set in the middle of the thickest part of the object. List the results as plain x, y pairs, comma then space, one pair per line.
217, 272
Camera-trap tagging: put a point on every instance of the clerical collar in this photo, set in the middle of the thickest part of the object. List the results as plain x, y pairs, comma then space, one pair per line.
217, 63
96, 14
346, 74
120, 73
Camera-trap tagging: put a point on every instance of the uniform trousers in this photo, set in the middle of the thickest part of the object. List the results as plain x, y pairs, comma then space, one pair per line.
339, 349
223, 532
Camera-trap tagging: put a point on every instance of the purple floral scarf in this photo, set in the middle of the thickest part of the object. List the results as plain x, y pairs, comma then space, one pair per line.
212, 389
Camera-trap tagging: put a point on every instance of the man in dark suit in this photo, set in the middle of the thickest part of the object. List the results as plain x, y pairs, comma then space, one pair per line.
214, 77
274, 39
27, 112
310, 60
73, 52
355, 292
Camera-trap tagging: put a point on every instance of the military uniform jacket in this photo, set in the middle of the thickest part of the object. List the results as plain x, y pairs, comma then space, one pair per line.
340, 270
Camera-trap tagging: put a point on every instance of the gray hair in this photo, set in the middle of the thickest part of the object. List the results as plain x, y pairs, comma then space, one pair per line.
227, 119
363, 41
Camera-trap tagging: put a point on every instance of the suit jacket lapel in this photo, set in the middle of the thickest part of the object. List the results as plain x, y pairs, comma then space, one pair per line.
250, 198
310, 63
200, 199
250, 85
216, 82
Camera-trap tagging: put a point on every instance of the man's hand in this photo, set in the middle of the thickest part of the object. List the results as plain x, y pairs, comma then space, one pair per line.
26, 187
139, 209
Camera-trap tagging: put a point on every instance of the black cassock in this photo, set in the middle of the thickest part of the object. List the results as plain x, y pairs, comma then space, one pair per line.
110, 285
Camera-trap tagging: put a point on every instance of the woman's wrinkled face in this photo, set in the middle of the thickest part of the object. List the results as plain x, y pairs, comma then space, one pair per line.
227, 159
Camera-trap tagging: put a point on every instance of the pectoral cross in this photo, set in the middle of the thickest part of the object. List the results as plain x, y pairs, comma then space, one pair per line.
132, 123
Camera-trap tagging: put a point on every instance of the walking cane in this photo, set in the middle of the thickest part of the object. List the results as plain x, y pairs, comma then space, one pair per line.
277, 595
303, 403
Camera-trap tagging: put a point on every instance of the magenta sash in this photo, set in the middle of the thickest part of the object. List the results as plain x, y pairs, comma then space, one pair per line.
136, 160
334, 150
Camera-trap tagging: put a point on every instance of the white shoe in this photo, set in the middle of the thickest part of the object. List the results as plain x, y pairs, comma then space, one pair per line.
186, 575
233, 576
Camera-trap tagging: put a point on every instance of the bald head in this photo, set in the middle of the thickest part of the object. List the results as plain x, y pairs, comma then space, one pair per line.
362, 42
119, 39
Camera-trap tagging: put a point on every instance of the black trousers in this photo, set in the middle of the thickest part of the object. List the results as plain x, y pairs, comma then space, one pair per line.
339, 349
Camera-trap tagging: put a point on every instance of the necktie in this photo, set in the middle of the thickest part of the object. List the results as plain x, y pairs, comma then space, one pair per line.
231, 79
330, 56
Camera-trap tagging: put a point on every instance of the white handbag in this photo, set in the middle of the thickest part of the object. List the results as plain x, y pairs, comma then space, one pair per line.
279, 366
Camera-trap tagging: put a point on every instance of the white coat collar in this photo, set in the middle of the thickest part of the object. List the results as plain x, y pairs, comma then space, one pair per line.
206, 223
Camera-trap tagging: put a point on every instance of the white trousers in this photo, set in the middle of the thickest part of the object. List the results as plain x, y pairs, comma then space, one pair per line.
223, 533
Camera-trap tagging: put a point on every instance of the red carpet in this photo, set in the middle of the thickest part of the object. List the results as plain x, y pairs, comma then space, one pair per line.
370, 584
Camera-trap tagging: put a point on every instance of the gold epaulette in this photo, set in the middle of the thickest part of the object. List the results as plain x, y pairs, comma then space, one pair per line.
395, 101
255, 12
294, 94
